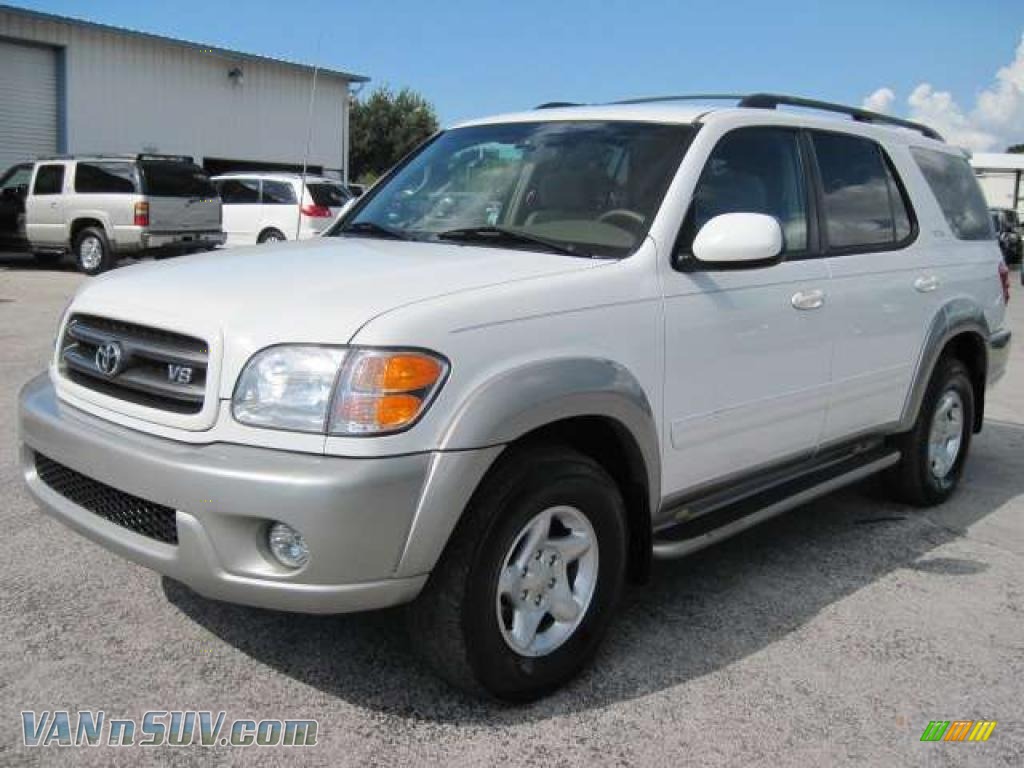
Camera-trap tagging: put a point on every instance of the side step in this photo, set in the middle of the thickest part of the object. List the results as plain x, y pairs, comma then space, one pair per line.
692, 535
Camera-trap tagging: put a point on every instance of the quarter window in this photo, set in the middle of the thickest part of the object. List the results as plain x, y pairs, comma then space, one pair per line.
49, 180
953, 183
752, 170
278, 193
105, 178
864, 206
240, 191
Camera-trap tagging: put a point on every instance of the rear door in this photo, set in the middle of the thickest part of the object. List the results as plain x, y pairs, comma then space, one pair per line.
180, 195
44, 208
884, 292
241, 209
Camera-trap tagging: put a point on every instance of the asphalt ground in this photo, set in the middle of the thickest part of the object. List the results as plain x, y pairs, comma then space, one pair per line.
829, 636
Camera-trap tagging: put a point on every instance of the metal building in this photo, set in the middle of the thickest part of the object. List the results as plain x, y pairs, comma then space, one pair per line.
71, 86
1002, 179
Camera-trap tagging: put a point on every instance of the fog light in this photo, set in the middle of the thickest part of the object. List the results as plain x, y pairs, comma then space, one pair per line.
287, 545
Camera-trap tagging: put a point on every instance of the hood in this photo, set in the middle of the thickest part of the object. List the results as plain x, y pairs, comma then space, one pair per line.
319, 291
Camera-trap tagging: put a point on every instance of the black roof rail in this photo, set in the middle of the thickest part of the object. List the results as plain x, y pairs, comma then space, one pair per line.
116, 156
557, 104
774, 100
684, 97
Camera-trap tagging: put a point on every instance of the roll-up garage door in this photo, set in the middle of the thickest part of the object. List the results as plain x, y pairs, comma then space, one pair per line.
28, 102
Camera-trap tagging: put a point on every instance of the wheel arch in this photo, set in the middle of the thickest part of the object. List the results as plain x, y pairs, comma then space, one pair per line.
595, 406
959, 328
84, 221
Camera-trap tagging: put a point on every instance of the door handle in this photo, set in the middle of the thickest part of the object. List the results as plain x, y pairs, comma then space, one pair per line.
926, 284
808, 299
53, 205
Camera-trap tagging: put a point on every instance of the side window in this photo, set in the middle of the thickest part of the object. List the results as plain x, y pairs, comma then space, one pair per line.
953, 183
864, 206
240, 191
49, 180
752, 170
105, 178
278, 193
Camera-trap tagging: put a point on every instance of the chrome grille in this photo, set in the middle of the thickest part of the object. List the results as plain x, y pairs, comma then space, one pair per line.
143, 365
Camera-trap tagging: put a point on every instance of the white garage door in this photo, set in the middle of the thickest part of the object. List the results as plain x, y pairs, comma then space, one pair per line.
28, 102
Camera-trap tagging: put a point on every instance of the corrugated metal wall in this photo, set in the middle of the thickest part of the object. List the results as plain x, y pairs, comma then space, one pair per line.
130, 94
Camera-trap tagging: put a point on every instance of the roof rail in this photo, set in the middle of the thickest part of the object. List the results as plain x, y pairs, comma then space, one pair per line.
557, 104
117, 156
684, 97
774, 100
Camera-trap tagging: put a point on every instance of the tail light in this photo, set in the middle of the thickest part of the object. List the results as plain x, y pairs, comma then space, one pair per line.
142, 214
316, 211
1004, 278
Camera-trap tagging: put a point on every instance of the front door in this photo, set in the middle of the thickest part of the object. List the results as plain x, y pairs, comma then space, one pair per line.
241, 210
747, 358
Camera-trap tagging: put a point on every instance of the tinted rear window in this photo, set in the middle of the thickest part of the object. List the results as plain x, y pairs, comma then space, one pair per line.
278, 193
956, 189
162, 178
49, 180
105, 178
328, 195
239, 191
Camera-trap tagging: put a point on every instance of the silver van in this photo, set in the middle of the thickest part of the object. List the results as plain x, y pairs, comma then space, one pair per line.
100, 208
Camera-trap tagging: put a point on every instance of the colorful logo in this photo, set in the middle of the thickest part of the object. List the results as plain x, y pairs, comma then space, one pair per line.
958, 730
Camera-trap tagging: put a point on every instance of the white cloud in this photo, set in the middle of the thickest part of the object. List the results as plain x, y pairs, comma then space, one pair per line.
995, 121
880, 101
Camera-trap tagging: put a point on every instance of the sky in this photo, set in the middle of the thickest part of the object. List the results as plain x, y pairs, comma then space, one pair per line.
958, 66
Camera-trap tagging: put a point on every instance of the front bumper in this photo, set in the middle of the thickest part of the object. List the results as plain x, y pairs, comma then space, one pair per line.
355, 514
998, 355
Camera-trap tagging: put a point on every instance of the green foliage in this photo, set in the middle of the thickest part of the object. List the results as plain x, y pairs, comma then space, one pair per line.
385, 125
1016, 149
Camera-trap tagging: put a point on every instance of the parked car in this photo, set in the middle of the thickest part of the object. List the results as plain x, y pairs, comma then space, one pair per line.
265, 207
103, 207
540, 352
13, 191
1010, 234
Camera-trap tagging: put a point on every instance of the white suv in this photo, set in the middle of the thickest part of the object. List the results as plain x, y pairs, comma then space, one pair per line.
544, 349
266, 208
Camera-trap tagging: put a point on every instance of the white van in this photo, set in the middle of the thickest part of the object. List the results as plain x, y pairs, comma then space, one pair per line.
265, 207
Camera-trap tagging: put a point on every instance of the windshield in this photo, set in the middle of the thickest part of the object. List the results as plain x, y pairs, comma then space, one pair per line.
591, 188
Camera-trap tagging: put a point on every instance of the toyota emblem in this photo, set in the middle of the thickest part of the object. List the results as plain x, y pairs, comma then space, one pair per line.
108, 358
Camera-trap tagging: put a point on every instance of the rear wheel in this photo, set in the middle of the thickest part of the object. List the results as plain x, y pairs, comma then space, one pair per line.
529, 581
934, 451
271, 236
92, 251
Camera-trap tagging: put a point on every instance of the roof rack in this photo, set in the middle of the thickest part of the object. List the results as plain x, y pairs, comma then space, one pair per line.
775, 100
117, 156
557, 104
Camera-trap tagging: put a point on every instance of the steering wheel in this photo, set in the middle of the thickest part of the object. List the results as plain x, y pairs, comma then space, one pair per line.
633, 221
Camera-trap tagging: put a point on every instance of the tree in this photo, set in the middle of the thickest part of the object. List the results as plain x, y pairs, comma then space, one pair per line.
1016, 149
384, 127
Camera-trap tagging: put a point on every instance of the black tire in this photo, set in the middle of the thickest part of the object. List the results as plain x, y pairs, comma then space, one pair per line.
913, 480
47, 259
93, 264
455, 623
271, 236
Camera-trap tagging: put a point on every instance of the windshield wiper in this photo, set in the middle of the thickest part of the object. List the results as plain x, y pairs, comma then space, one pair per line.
373, 229
501, 234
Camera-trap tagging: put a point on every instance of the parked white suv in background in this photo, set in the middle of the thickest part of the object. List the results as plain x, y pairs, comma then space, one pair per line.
265, 207
543, 350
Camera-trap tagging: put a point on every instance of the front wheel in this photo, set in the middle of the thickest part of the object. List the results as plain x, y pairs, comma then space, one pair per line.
934, 451
529, 581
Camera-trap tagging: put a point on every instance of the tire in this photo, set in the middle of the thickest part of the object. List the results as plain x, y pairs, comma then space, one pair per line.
47, 259
463, 624
92, 251
927, 476
271, 236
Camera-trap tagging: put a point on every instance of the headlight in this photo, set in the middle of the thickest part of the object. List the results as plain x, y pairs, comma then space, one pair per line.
337, 391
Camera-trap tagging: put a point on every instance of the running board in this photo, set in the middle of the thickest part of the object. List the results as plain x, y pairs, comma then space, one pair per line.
691, 536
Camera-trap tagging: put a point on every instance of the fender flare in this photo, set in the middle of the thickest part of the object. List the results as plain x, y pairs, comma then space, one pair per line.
507, 407
956, 317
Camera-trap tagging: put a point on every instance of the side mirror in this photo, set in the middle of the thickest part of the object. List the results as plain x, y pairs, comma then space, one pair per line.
738, 240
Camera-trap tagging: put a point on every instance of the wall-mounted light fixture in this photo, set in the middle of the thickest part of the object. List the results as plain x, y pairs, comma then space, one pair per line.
236, 75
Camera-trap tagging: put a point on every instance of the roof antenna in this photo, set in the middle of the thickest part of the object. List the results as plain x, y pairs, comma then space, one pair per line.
309, 133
